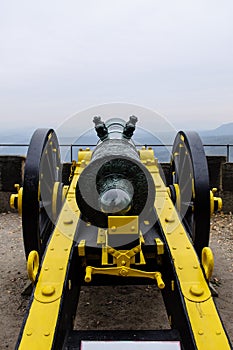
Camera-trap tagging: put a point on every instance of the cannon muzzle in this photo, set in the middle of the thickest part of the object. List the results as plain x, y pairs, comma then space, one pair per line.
115, 182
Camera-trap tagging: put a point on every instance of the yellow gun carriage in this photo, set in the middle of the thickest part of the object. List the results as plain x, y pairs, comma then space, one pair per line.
117, 222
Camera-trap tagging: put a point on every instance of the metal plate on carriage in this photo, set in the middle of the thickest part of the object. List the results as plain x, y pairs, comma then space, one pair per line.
128, 345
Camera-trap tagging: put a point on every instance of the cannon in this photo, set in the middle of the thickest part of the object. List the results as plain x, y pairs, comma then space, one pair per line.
118, 222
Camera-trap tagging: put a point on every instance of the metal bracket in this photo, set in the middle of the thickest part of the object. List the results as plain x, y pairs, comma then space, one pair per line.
81, 247
16, 199
215, 202
122, 257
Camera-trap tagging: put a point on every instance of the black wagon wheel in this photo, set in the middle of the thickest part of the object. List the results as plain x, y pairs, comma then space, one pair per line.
41, 175
190, 187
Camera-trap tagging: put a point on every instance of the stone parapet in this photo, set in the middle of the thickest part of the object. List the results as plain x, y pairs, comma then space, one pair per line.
12, 170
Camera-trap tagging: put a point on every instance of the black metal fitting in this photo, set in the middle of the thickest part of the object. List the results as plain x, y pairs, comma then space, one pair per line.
130, 127
100, 128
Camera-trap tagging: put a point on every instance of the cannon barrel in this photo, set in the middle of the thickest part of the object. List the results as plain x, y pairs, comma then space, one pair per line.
115, 182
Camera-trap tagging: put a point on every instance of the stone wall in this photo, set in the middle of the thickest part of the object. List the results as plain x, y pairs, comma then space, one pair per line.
215, 165
12, 169
227, 187
11, 172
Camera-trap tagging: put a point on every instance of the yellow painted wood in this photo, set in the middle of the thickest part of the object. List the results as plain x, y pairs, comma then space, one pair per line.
207, 328
41, 323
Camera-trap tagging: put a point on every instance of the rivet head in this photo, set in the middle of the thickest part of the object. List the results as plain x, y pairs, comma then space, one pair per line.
136, 250
146, 222
46, 268
69, 284
113, 228
196, 290
218, 332
48, 290
200, 332
132, 228
46, 334
195, 267
68, 222
29, 332
123, 262
61, 268
169, 220
180, 267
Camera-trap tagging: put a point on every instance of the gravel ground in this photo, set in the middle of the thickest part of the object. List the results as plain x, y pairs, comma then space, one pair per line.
124, 303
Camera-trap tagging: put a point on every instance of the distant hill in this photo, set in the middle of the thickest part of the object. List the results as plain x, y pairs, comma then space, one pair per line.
16, 135
222, 130
216, 139
23, 135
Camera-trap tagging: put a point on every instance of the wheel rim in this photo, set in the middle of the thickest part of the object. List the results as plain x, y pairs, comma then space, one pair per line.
42, 170
189, 170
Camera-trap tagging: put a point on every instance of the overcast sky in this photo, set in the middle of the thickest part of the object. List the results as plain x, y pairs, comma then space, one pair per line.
60, 57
